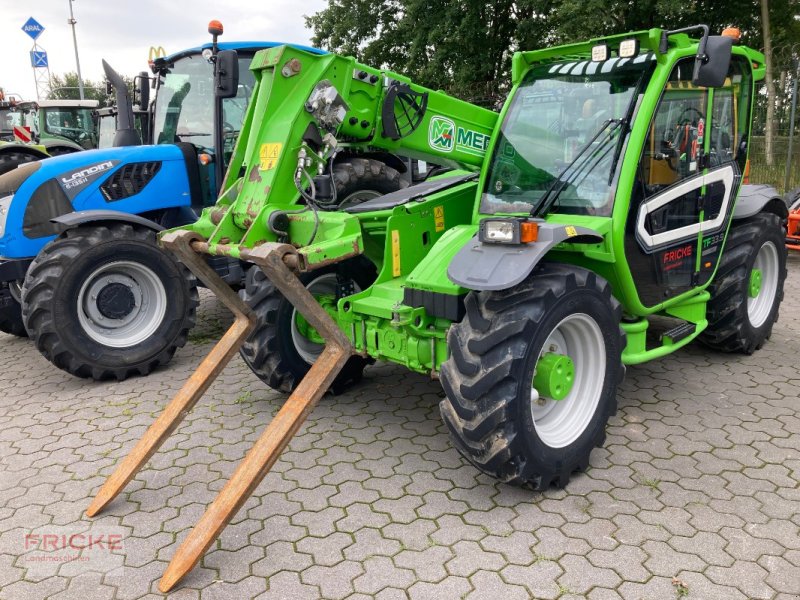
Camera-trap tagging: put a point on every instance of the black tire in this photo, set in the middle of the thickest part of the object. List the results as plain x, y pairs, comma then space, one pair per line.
488, 406
11, 160
10, 313
62, 150
270, 351
792, 199
61, 328
730, 328
361, 179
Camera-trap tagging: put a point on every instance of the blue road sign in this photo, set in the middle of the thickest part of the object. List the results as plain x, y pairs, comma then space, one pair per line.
33, 28
38, 59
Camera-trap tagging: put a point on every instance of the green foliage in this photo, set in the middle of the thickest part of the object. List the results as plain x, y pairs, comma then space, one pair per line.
465, 47
65, 87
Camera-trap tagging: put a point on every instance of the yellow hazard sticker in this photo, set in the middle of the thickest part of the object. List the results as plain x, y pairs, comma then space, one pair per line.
570, 231
269, 154
438, 218
395, 253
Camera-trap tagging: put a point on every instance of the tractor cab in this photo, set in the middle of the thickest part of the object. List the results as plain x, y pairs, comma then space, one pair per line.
63, 120
186, 110
10, 117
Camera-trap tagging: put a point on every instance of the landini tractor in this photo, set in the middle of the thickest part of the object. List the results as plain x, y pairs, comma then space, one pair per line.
80, 270
604, 223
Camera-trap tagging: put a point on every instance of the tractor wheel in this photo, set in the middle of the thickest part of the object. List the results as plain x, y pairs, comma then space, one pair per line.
361, 179
11, 160
107, 302
748, 287
282, 348
793, 199
10, 310
532, 377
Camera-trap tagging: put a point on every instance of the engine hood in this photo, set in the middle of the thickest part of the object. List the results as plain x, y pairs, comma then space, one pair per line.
133, 179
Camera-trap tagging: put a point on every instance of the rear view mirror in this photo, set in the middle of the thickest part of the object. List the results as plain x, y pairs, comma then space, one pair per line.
712, 62
226, 74
141, 91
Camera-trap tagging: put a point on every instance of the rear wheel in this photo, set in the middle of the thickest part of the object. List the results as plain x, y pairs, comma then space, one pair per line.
748, 288
11, 310
533, 375
106, 302
282, 348
361, 179
10, 160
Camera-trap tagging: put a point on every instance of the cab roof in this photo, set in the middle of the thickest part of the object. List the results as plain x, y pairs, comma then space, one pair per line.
238, 46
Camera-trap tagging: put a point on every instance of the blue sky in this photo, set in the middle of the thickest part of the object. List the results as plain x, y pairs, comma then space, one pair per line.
122, 31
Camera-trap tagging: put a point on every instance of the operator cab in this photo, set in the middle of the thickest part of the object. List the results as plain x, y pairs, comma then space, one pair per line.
72, 120
183, 111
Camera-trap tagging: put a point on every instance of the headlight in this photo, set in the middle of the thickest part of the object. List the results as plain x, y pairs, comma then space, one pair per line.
508, 231
5, 206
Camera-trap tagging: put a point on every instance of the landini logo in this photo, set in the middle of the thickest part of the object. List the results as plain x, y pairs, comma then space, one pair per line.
445, 136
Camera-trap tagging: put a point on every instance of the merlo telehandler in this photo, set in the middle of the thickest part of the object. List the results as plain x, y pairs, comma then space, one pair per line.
601, 220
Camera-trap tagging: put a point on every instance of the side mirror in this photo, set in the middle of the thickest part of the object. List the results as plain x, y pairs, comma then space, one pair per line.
226, 74
712, 62
141, 90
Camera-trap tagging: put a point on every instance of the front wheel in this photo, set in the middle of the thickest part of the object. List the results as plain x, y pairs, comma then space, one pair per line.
107, 302
10, 310
532, 377
283, 346
748, 287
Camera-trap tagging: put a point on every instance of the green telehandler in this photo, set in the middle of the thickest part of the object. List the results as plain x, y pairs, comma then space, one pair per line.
600, 220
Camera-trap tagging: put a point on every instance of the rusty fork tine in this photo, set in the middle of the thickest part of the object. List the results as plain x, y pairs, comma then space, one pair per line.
197, 384
282, 428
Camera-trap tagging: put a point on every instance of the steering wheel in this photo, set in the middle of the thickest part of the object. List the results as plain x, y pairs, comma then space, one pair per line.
686, 110
227, 127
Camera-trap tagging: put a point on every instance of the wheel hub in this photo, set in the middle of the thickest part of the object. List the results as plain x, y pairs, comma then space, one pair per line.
115, 301
568, 380
762, 286
555, 374
755, 283
121, 304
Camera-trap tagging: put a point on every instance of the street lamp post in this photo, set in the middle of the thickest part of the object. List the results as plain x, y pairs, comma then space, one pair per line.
72, 21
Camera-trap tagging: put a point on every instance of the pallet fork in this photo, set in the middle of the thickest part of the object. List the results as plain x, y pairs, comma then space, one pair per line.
279, 262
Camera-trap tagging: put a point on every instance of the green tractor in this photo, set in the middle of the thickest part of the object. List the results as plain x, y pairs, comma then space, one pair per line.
601, 220
56, 127
609, 225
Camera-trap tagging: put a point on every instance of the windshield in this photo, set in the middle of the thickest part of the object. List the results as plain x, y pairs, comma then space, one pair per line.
75, 124
106, 130
185, 103
561, 137
9, 118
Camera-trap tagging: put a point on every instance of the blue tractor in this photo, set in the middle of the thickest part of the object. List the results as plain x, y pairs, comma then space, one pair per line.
80, 269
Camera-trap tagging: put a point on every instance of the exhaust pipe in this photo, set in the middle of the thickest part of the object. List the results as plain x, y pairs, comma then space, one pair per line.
126, 134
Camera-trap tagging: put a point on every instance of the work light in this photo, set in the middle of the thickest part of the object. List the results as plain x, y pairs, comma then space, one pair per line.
600, 53
508, 231
629, 48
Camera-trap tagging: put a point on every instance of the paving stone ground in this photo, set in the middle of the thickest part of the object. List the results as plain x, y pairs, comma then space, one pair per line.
696, 493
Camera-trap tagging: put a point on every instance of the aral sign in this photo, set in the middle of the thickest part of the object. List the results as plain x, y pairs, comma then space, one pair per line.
445, 136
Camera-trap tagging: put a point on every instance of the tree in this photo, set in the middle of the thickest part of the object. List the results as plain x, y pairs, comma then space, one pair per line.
769, 132
465, 47
65, 87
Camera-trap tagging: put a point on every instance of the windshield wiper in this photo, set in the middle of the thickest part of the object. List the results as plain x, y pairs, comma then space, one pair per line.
559, 183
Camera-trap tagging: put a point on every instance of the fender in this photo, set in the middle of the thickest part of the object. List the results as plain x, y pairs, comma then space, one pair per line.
81, 217
759, 198
480, 266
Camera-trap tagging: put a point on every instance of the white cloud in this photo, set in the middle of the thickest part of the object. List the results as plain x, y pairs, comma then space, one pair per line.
123, 31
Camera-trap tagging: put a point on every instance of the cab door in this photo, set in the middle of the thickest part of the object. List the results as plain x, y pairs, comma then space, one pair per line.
686, 183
